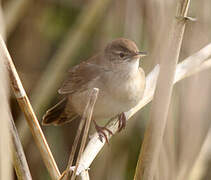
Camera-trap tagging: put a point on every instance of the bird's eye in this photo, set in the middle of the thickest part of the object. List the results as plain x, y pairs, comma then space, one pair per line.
121, 55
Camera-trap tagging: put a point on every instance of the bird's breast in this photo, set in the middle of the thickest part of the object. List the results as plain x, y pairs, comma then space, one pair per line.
127, 89
118, 93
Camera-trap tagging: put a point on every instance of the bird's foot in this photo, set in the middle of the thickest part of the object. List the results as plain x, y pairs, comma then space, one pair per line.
122, 121
101, 132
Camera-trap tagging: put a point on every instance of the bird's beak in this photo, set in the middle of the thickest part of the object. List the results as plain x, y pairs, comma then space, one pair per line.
138, 55
141, 54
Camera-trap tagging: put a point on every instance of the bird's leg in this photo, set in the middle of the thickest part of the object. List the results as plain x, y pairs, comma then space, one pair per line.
122, 121
100, 130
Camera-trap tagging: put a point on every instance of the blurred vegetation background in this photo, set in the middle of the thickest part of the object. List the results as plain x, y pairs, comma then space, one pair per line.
44, 34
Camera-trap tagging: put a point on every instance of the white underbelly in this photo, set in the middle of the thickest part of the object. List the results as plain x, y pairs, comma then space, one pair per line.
121, 99
112, 100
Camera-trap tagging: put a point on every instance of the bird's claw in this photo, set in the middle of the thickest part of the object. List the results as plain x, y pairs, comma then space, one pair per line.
101, 132
122, 121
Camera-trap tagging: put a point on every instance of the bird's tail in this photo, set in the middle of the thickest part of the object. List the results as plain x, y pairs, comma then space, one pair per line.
59, 114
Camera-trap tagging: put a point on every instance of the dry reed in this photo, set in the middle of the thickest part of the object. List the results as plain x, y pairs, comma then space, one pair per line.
28, 112
19, 159
153, 137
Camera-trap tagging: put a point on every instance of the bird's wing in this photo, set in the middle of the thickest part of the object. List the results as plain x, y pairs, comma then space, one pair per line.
79, 77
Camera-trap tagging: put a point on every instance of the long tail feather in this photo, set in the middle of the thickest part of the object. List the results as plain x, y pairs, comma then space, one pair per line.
57, 115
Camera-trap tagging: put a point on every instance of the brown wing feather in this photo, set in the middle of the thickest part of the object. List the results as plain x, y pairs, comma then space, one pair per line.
60, 113
79, 76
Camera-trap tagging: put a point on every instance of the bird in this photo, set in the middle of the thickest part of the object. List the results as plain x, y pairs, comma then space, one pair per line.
116, 73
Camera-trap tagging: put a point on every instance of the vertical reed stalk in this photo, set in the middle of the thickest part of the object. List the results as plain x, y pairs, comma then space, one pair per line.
86, 119
87, 116
150, 150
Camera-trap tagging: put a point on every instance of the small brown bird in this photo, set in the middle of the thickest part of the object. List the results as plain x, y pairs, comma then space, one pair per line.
121, 82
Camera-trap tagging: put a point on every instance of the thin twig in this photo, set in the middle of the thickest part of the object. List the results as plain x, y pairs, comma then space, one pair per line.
184, 69
75, 143
19, 159
29, 113
87, 115
153, 137
74, 146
